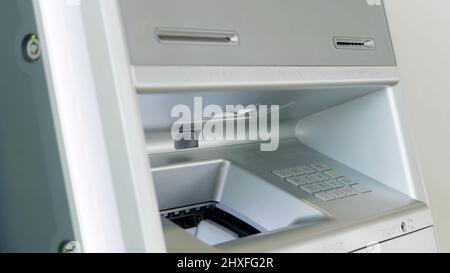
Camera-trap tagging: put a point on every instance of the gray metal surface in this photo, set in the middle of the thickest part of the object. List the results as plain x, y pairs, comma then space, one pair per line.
238, 191
34, 212
290, 154
293, 33
365, 133
267, 207
156, 107
190, 184
157, 120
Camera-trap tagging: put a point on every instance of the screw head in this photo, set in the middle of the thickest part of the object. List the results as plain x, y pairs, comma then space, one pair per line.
31, 48
71, 247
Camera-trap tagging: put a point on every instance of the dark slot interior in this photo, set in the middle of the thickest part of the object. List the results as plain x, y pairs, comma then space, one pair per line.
198, 39
350, 44
192, 218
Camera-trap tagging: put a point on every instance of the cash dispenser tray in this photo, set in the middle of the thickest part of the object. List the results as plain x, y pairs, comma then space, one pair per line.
218, 202
209, 223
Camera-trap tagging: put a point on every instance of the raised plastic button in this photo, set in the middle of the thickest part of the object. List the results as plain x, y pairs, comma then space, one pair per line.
325, 196
320, 167
306, 169
337, 194
333, 174
319, 176
323, 186
335, 184
297, 180
282, 173
297, 171
310, 189
347, 181
309, 178
348, 191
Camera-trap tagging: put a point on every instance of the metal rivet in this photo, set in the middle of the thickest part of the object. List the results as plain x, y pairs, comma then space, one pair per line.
71, 247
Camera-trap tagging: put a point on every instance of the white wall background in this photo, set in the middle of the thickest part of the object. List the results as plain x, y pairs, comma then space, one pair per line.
421, 36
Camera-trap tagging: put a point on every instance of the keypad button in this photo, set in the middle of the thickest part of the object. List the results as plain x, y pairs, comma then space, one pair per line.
322, 182
310, 189
320, 167
282, 173
361, 188
335, 184
297, 171
291, 171
330, 185
306, 169
323, 186
325, 196
348, 191
297, 180
292, 180
319, 176
309, 178
347, 181
333, 174
337, 194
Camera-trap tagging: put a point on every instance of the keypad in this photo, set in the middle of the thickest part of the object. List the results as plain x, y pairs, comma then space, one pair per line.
320, 176
322, 182
320, 167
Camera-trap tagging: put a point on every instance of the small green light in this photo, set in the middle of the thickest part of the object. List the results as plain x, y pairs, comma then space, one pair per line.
33, 36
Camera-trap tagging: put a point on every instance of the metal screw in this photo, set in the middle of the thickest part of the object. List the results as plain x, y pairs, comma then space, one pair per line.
71, 247
31, 48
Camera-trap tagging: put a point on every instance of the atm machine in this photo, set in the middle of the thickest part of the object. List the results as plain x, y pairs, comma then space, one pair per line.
91, 162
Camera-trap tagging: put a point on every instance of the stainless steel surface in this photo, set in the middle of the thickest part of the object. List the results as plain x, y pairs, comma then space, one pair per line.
156, 108
296, 104
296, 33
235, 189
156, 79
372, 214
249, 187
188, 184
159, 68
417, 242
